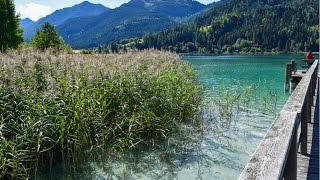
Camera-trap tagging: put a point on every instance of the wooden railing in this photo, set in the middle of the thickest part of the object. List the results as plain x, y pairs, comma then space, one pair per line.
276, 155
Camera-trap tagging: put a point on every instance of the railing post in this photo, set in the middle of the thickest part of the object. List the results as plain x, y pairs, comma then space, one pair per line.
309, 102
314, 81
288, 76
290, 171
304, 128
313, 85
293, 65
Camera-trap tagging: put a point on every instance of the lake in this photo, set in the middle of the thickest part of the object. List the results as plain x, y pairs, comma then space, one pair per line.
242, 95
267, 73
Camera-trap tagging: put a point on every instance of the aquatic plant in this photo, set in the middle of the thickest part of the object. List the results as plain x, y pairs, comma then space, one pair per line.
221, 111
56, 107
229, 103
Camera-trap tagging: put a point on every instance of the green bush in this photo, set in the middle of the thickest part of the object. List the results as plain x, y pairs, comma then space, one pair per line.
47, 37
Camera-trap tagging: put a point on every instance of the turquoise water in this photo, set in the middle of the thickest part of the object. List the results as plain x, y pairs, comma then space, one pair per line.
228, 157
229, 134
214, 70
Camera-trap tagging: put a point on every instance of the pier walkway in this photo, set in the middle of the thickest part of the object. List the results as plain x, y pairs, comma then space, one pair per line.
290, 149
308, 165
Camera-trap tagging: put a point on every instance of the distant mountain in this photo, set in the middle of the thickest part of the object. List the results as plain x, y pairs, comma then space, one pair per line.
83, 9
60, 16
26, 22
172, 8
132, 19
247, 26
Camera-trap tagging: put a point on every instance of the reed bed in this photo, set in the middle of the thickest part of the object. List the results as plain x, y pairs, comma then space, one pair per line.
55, 107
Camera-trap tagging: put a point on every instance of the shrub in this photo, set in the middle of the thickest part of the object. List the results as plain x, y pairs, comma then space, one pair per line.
47, 37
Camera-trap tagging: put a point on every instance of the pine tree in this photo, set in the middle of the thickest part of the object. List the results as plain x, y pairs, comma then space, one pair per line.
47, 37
10, 31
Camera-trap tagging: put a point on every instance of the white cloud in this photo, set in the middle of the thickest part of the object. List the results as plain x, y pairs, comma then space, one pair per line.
207, 1
34, 11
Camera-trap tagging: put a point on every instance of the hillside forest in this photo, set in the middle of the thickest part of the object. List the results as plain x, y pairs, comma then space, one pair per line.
239, 26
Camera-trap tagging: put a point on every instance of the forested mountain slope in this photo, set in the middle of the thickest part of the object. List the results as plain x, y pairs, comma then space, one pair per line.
132, 19
245, 25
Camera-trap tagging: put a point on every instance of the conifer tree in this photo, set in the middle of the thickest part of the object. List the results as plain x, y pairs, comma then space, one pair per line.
47, 37
10, 31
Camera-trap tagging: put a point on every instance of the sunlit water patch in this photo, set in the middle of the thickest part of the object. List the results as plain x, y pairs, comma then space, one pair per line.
242, 95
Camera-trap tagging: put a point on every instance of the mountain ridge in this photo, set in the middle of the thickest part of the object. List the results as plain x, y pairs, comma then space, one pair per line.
131, 19
85, 8
56, 18
26, 22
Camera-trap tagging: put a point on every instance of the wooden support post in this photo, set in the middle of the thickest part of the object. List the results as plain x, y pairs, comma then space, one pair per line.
304, 129
312, 88
309, 103
314, 82
293, 65
313, 85
288, 77
290, 171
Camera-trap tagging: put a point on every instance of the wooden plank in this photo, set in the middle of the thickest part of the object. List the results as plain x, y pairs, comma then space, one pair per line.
290, 171
304, 131
269, 159
308, 166
299, 73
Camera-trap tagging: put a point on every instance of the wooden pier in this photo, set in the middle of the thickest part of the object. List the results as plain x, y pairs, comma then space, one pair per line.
290, 149
308, 166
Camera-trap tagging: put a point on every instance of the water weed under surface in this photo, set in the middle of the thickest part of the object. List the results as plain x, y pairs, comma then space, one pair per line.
124, 116
57, 108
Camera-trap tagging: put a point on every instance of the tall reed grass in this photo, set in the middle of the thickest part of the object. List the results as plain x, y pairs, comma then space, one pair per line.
55, 107
231, 102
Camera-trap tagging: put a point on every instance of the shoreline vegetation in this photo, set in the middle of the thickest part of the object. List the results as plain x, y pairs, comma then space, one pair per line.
131, 49
62, 113
54, 107
244, 53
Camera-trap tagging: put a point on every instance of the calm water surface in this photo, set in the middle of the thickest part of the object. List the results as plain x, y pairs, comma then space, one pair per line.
212, 154
228, 158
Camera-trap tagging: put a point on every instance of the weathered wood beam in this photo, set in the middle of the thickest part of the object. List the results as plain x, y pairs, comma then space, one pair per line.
276, 155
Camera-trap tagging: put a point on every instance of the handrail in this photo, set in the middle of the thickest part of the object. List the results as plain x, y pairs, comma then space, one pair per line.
276, 155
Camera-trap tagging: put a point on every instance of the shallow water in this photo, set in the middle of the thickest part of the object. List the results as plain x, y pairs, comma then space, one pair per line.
267, 73
225, 145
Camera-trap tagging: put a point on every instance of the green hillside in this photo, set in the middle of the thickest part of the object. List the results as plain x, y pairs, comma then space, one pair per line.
132, 19
247, 26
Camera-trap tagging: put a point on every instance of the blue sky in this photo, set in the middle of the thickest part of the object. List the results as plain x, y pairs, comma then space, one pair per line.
35, 9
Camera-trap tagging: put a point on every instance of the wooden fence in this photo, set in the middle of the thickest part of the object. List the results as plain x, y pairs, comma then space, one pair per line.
276, 155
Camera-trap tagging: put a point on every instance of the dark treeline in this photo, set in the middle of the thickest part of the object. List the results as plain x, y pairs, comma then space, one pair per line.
10, 32
241, 25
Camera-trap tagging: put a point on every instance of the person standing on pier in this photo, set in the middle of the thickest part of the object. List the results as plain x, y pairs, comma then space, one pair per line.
309, 56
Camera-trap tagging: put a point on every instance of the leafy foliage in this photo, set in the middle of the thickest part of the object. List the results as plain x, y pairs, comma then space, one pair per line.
10, 32
247, 26
47, 37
